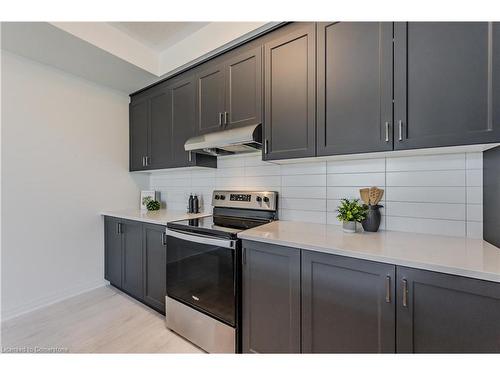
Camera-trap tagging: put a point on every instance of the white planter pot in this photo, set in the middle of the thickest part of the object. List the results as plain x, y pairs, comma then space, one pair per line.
349, 226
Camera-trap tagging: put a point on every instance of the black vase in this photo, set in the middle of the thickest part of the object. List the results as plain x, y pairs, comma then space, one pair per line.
372, 221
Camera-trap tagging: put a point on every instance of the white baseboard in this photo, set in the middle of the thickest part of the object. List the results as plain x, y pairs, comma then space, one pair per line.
39, 303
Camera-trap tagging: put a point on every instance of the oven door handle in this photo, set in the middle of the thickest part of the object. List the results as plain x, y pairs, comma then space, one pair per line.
205, 240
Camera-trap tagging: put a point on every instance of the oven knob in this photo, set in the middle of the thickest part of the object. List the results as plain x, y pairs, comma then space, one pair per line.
266, 199
222, 197
216, 197
258, 199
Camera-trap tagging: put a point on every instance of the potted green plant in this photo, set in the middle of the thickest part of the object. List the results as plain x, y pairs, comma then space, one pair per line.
151, 204
350, 212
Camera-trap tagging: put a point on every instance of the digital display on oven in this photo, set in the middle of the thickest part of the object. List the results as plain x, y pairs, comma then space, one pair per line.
240, 197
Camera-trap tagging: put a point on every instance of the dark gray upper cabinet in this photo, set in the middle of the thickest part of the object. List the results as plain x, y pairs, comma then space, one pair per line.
244, 89
439, 313
182, 118
132, 258
354, 83
138, 133
113, 251
154, 265
160, 132
348, 305
446, 83
289, 93
210, 99
271, 299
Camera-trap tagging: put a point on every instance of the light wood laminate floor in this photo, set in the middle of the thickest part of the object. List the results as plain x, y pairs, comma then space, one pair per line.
104, 320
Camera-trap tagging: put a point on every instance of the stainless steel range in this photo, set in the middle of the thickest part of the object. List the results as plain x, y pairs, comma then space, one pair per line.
204, 269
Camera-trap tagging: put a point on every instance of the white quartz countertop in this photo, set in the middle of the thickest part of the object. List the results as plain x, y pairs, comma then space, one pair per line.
454, 255
161, 217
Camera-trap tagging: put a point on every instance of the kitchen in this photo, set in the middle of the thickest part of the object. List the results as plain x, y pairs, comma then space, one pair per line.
251, 187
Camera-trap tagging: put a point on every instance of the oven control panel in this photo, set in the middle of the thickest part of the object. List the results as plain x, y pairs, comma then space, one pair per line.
260, 200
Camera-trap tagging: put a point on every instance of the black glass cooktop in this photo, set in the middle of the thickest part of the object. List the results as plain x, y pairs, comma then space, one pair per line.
224, 226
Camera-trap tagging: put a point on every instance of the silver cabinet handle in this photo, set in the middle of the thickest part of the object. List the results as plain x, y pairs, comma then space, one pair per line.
143, 161
266, 146
190, 157
164, 238
226, 118
405, 293
387, 125
148, 160
119, 229
221, 115
205, 240
400, 123
388, 289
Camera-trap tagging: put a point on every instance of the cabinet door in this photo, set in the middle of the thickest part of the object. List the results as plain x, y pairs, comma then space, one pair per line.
138, 136
210, 99
155, 266
244, 89
160, 135
132, 281
347, 305
289, 94
182, 118
446, 83
440, 313
271, 299
354, 61
113, 251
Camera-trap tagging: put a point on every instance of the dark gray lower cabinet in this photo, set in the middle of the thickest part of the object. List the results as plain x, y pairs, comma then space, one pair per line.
154, 265
348, 305
113, 251
440, 313
135, 259
132, 259
271, 299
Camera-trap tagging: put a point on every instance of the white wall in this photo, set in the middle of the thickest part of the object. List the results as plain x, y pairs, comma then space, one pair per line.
64, 159
439, 194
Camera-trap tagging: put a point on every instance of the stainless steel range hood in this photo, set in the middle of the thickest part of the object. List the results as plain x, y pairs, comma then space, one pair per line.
227, 142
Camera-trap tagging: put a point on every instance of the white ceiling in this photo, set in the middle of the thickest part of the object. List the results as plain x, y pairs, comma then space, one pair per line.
158, 35
125, 56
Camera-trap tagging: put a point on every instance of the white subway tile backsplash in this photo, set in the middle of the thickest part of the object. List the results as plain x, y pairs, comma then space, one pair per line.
436, 194
426, 163
357, 179
426, 178
264, 182
424, 194
263, 170
474, 160
451, 211
339, 192
303, 204
304, 168
312, 192
474, 177
432, 226
474, 212
304, 180
474, 195
357, 166
303, 215
474, 229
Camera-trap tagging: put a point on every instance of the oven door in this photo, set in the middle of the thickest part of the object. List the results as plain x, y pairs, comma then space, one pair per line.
201, 273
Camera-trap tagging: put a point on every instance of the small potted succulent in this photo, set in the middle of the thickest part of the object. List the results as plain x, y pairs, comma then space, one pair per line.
350, 212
